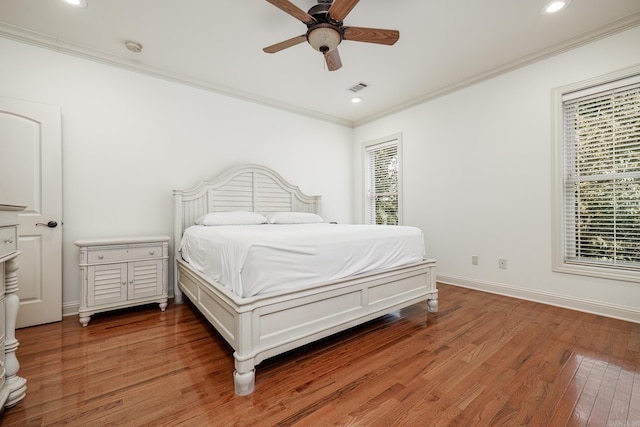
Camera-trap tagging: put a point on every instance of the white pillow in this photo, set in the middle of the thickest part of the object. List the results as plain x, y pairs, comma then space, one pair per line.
232, 218
293, 218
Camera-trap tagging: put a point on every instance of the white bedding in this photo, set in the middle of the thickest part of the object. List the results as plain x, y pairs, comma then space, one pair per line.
256, 259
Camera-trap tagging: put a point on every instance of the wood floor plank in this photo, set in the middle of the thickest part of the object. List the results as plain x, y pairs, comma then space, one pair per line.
633, 416
565, 408
482, 360
604, 398
558, 388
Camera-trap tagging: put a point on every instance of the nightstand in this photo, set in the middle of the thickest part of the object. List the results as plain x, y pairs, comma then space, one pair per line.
122, 272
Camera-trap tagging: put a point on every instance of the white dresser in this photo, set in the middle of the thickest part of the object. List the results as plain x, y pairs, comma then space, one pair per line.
122, 272
12, 387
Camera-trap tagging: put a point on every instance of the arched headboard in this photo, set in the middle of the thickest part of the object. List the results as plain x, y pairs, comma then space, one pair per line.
252, 188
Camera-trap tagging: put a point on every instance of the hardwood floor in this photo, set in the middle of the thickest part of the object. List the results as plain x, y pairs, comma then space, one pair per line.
481, 360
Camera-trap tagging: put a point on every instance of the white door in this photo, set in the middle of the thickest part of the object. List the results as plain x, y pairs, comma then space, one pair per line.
31, 175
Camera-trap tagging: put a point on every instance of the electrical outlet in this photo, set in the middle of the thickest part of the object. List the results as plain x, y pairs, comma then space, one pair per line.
502, 263
474, 259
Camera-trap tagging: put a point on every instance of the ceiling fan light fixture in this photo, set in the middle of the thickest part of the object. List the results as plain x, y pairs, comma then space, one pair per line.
324, 38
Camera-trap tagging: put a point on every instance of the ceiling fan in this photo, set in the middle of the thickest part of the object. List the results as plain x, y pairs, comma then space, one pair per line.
325, 29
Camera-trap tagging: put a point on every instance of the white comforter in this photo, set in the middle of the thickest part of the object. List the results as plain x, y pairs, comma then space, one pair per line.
256, 259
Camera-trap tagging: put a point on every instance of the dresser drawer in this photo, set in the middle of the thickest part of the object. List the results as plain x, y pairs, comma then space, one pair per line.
8, 240
124, 254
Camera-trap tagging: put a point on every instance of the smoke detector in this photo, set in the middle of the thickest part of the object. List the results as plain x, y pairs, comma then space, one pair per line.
134, 47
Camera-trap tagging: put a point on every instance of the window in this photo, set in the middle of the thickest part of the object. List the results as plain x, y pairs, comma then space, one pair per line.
382, 181
598, 156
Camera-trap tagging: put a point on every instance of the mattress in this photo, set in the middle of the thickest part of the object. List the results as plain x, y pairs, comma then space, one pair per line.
252, 260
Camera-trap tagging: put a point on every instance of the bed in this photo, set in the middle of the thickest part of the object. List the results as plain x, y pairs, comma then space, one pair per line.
264, 324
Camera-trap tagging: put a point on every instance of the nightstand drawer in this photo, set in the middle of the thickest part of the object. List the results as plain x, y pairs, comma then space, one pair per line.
8, 240
124, 254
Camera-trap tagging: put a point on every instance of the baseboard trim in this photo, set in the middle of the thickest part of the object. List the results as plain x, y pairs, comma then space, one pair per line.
70, 308
629, 314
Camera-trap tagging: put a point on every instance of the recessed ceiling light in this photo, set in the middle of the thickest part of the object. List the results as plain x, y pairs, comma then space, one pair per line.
555, 6
77, 3
356, 99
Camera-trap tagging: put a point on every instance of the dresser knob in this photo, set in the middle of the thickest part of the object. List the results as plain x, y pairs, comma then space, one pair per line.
100, 256
10, 240
152, 252
124, 283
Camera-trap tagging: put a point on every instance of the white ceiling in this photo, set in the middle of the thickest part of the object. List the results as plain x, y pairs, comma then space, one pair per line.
218, 45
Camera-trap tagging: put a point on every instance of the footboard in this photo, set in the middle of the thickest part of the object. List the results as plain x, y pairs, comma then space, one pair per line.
264, 326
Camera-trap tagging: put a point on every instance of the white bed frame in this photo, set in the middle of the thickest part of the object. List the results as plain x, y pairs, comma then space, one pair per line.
266, 325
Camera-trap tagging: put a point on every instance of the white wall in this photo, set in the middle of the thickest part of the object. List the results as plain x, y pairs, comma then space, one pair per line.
130, 139
476, 162
477, 179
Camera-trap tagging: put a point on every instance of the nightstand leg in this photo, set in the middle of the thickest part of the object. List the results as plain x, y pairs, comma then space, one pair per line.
84, 318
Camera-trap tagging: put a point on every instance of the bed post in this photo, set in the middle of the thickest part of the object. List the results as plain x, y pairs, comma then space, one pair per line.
432, 303
177, 238
244, 383
244, 376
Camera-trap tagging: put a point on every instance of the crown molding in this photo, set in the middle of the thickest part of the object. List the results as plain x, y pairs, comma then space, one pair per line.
612, 28
84, 52
66, 47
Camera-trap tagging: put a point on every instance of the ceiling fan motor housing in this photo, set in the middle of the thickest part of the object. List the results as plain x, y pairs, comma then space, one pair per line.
325, 34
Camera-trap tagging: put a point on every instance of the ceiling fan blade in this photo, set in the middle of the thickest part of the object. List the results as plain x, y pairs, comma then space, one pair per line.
333, 60
371, 35
293, 10
340, 8
285, 44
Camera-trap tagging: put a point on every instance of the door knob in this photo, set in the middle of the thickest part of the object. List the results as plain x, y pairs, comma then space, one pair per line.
50, 224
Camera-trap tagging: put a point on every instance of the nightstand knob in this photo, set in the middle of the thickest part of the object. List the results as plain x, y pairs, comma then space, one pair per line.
100, 256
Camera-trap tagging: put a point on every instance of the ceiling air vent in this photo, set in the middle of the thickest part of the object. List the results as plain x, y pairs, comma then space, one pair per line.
358, 87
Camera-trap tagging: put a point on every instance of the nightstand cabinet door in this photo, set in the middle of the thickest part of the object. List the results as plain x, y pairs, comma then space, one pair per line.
107, 284
145, 279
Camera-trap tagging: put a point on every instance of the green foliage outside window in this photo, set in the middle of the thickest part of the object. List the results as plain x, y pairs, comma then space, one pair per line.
385, 163
605, 181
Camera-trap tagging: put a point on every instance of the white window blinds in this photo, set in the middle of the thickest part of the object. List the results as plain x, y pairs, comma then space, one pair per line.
382, 177
601, 128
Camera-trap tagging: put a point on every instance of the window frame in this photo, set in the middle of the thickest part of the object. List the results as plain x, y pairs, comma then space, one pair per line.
559, 232
395, 139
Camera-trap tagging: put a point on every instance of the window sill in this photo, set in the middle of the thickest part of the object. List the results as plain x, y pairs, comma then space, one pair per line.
600, 272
